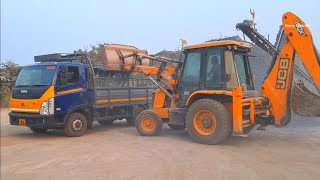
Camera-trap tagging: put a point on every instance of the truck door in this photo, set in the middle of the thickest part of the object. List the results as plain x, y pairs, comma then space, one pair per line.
70, 88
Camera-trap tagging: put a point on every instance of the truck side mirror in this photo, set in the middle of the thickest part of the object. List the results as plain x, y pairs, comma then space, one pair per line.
63, 76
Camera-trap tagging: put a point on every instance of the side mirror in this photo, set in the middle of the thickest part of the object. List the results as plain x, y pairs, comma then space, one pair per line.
63, 76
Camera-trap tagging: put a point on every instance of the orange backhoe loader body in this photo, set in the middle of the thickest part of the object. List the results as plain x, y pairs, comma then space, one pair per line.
212, 114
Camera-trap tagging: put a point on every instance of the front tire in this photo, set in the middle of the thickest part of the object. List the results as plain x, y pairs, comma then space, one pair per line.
148, 123
75, 125
38, 130
208, 122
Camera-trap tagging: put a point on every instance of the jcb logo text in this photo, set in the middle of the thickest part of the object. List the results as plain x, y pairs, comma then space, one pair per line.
299, 26
282, 73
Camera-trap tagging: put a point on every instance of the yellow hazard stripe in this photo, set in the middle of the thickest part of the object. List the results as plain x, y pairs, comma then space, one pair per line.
122, 100
69, 91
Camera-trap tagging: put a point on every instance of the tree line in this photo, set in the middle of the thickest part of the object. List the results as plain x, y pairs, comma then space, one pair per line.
8, 73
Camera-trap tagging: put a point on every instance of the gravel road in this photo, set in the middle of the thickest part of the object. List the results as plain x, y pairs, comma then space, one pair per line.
119, 152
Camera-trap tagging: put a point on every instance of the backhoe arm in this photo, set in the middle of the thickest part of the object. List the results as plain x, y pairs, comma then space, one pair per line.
296, 38
300, 38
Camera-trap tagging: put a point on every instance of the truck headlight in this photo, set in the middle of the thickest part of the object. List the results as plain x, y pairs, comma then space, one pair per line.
47, 107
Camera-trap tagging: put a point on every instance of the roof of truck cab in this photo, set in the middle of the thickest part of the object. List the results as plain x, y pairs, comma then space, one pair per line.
219, 43
52, 64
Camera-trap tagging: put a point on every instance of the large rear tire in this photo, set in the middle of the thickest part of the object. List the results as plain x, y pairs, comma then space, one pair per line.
208, 122
148, 123
75, 125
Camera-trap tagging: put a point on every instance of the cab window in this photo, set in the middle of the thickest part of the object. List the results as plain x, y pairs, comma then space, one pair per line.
214, 68
73, 74
191, 72
68, 75
243, 71
231, 75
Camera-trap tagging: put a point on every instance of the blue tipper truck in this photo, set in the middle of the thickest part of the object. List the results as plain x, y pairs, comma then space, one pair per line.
65, 91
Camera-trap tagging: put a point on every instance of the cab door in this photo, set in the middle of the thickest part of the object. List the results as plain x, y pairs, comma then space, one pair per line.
191, 78
70, 89
213, 68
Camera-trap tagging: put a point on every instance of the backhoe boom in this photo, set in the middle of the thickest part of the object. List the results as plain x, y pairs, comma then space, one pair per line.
293, 38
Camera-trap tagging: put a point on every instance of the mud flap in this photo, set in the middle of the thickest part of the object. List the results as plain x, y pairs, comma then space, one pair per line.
305, 102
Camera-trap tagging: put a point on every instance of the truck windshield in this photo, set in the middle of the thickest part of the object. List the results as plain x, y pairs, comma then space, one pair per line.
35, 76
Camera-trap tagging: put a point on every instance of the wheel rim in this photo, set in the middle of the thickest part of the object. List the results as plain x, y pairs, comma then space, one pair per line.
147, 124
77, 125
204, 122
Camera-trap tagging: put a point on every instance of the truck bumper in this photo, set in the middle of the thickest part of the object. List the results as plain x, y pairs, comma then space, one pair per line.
34, 120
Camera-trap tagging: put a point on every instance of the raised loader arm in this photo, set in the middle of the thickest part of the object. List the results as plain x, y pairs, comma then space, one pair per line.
166, 74
294, 37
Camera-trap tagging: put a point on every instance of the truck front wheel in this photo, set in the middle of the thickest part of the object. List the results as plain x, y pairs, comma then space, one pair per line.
38, 130
75, 125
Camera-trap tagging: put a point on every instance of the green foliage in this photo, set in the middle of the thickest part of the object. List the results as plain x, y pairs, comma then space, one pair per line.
92, 53
8, 74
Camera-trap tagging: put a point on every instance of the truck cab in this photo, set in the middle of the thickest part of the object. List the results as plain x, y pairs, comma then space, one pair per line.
45, 92
60, 93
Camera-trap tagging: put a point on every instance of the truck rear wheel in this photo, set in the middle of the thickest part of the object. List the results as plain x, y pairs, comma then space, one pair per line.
38, 130
136, 111
208, 122
75, 125
148, 123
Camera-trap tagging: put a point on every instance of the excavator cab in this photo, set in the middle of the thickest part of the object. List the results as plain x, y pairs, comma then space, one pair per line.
217, 65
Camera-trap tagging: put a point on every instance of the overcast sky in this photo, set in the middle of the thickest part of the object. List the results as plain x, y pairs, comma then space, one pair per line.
34, 27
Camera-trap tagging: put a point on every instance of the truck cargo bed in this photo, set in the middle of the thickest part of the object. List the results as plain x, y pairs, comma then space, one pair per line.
122, 92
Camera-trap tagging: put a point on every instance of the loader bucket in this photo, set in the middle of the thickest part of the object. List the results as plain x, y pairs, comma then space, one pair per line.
113, 56
305, 102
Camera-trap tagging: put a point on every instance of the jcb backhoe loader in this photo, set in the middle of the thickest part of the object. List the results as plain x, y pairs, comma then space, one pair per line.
214, 97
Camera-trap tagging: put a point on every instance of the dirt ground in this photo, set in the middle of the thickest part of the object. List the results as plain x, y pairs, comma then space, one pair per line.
119, 152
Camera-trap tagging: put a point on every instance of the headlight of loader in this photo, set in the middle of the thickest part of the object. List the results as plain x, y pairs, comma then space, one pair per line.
47, 107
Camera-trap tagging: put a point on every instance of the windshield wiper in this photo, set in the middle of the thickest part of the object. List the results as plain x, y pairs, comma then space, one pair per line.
39, 85
30, 85
22, 86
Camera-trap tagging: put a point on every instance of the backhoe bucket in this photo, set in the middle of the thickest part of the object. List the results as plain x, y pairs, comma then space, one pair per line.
305, 102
